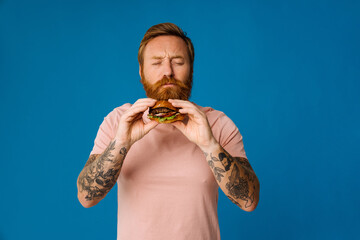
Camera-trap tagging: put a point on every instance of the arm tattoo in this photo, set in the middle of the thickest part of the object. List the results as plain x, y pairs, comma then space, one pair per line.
241, 175
239, 186
217, 171
101, 172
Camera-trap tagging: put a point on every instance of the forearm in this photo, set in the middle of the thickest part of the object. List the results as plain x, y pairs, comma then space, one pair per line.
235, 177
100, 173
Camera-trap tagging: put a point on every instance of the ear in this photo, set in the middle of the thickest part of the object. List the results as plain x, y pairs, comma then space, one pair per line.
140, 70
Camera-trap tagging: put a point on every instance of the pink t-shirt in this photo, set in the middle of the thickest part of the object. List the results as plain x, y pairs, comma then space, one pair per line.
166, 190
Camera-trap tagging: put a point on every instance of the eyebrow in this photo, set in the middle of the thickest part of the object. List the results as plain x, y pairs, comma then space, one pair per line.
159, 57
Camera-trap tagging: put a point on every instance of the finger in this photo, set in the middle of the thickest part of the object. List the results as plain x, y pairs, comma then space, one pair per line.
132, 112
187, 106
180, 103
138, 116
145, 101
142, 105
137, 109
192, 112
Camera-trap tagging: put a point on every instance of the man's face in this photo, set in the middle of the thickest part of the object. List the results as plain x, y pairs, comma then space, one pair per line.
166, 72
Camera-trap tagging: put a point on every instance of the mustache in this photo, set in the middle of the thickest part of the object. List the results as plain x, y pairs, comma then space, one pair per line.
172, 80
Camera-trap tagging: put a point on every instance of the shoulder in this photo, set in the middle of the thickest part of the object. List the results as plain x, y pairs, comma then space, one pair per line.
118, 111
114, 116
215, 117
121, 109
225, 131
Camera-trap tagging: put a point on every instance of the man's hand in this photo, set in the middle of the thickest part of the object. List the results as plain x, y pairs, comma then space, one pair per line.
131, 126
196, 128
102, 170
234, 175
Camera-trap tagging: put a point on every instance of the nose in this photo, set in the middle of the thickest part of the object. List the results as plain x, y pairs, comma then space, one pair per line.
168, 70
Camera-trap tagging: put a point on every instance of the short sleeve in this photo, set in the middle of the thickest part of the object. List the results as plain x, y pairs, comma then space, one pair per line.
107, 129
230, 138
103, 137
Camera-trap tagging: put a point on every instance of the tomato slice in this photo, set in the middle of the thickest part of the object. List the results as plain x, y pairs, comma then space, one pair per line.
169, 114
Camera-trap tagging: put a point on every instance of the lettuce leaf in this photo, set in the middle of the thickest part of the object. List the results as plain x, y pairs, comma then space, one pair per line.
162, 119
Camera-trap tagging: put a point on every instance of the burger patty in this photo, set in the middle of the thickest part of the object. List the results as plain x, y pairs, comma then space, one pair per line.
160, 110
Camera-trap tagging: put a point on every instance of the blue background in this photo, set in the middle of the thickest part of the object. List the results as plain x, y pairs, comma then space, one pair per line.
286, 72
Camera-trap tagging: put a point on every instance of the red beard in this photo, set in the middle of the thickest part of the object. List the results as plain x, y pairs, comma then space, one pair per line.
179, 90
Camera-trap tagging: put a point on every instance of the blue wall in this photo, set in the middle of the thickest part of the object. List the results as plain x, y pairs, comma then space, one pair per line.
286, 72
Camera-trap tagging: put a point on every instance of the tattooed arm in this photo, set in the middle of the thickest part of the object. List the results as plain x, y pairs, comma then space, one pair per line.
234, 174
100, 174
235, 177
102, 171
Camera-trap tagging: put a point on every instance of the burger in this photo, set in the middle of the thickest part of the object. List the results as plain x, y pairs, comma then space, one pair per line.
164, 112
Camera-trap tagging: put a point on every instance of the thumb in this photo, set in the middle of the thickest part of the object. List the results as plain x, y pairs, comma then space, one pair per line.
150, 125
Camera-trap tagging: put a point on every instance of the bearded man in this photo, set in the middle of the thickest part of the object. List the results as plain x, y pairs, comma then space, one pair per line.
168, 175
